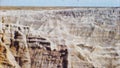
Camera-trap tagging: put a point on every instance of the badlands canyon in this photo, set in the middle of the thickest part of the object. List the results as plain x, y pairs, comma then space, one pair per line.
60, 38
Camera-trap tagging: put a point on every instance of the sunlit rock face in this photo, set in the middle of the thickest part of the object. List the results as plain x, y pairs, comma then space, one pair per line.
60, 38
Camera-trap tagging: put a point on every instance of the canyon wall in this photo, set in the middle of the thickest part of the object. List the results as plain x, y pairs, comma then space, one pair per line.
60, 38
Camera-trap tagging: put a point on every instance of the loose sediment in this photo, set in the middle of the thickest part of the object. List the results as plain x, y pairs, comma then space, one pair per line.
63, 38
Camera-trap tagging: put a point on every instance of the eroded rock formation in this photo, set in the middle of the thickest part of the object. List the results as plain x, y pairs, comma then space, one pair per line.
62, 38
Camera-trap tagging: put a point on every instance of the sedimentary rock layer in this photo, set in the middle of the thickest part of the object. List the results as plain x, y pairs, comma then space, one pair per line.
62, 38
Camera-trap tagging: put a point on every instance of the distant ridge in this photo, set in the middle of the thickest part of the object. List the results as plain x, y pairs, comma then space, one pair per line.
43, 7
31, 7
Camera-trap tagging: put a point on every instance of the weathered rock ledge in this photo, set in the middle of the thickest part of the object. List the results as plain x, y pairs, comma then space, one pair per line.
62, 38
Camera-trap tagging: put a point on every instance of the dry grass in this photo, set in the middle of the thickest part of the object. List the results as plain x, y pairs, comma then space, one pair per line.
32, 8
45, 7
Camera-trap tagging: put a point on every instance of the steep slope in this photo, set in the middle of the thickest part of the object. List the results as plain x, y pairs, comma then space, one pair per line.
91, 35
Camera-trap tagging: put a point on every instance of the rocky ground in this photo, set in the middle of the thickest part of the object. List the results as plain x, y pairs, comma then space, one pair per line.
60, 38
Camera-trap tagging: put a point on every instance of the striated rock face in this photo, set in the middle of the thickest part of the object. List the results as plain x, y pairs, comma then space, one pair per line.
62, 38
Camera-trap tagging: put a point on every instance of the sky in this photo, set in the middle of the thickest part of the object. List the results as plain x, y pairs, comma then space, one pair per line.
83, 3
